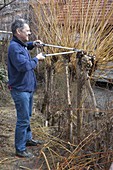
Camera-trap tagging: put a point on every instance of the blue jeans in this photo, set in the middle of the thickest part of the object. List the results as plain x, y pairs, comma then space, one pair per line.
23, 104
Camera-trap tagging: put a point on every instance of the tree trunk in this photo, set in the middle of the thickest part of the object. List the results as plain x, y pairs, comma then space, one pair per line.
70, 112
46, 107
79, 88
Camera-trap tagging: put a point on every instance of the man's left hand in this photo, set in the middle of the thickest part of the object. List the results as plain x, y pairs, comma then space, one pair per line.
38, 43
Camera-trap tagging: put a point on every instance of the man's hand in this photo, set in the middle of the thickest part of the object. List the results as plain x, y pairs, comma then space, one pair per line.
38, 43
40, 56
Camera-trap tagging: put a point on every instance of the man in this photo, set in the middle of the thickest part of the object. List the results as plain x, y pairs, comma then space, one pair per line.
22, 83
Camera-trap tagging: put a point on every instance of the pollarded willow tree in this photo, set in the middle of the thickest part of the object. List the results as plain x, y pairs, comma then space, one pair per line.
85, 25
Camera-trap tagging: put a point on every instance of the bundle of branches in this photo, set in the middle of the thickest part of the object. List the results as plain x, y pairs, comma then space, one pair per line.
80, 24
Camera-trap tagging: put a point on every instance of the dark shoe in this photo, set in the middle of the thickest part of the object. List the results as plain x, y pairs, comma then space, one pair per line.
34, 142
24, 154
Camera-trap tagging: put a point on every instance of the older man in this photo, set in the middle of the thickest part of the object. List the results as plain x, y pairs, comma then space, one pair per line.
22, 83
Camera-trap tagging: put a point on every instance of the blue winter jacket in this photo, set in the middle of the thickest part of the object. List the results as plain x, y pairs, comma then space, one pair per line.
21, 66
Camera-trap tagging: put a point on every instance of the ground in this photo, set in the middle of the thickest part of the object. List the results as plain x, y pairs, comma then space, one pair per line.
8, 160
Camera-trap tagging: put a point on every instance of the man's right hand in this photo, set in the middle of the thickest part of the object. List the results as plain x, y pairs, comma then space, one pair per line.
40, 56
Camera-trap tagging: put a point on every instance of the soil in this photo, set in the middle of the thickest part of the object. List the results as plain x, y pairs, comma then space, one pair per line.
8, 160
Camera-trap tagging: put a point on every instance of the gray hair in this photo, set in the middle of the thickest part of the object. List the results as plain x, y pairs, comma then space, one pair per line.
18, 23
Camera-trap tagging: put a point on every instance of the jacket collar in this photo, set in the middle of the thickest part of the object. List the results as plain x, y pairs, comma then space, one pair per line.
18, 41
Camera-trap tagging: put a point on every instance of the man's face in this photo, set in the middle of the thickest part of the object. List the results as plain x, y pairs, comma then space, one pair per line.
23, 33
